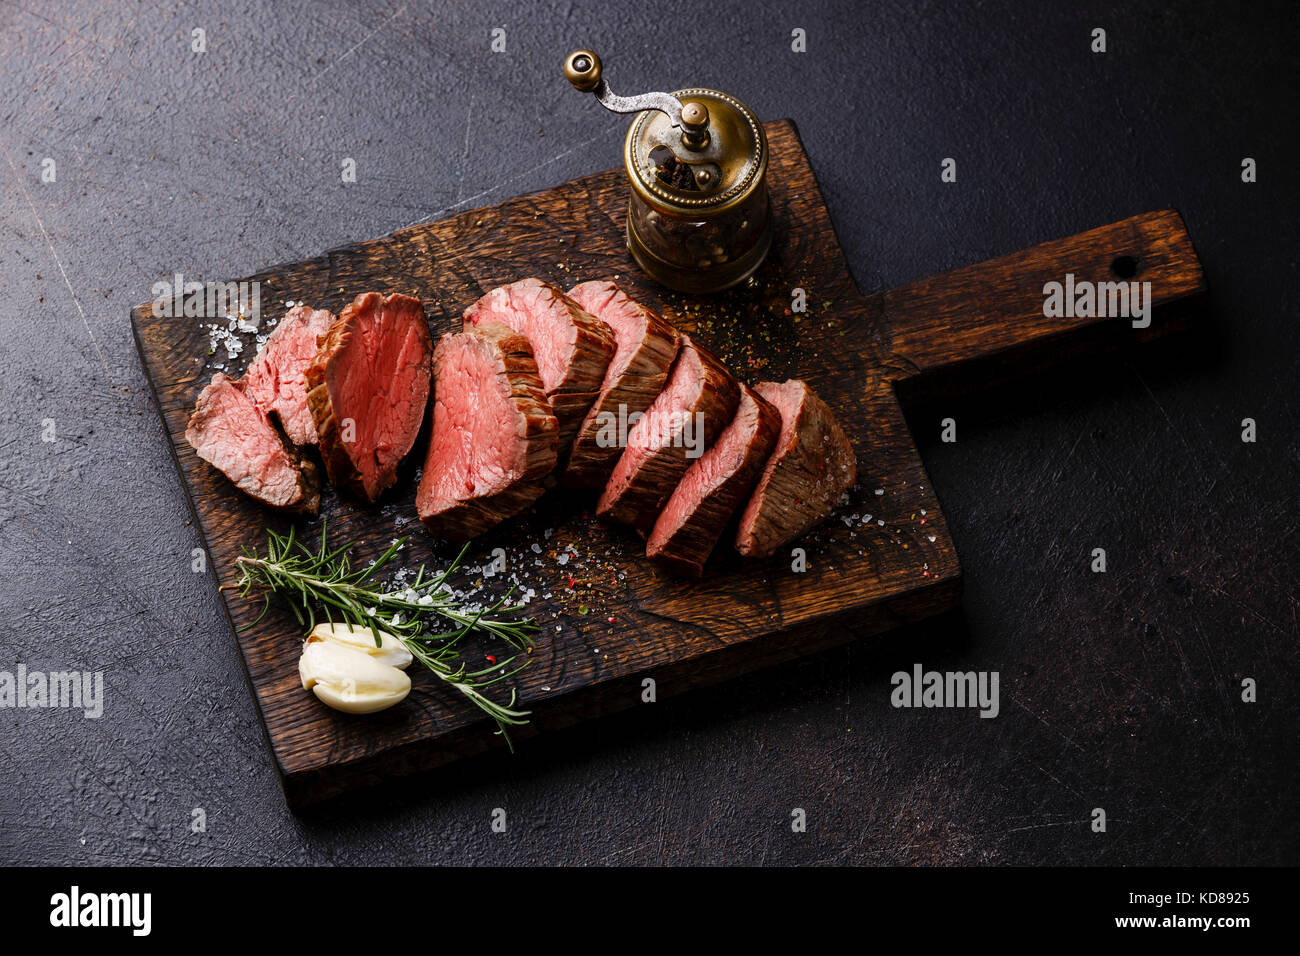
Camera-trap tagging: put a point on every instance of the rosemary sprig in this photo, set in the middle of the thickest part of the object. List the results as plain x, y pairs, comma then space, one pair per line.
325, 578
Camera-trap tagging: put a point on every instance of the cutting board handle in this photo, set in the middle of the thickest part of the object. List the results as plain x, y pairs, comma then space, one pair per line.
997, 308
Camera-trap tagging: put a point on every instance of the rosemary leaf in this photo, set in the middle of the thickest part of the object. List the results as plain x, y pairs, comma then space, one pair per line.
324, 578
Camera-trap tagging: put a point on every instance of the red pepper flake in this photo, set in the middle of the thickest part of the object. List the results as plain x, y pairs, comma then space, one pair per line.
572, 581
610, 619
491, 658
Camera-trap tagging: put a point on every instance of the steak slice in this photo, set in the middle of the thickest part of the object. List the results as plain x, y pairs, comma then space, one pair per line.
698, 402
368, 387
229, 431
276, 380
713, 488
572, 348
494, 435
812, 466
645, 346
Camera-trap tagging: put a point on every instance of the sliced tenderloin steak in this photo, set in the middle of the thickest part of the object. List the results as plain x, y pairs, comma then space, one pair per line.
229, 431
494, 435
276, 380
368, 387
812, 466
698, 402
572, 347
713, 488
645, 346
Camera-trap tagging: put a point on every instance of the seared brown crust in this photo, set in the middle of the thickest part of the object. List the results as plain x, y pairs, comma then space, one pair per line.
309, 483
685, 548
590, 463
471, 517
636, 498
337, 454
339, 468
801, 482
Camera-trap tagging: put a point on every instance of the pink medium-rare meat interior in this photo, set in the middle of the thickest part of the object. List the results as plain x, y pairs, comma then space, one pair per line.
570, 346
477, 448
376, 369
624, 316
645, 346
534, 310
231, 433
661, 421
494, 434
275, 378
694, 408
710, 492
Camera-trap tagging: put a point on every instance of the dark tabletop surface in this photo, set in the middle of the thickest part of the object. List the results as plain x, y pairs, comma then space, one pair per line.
1119, 690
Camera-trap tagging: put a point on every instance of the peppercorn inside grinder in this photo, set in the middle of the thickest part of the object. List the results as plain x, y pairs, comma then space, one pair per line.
699, 219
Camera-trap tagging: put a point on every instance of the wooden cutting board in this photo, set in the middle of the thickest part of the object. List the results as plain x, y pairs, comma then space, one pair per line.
610, 619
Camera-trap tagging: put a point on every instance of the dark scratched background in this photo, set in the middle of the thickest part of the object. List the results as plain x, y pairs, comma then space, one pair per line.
1119, 690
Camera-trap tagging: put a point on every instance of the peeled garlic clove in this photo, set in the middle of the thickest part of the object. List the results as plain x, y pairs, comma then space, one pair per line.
348, 679
392, 652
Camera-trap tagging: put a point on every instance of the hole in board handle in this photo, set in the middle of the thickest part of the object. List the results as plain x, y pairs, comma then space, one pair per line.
1124, 267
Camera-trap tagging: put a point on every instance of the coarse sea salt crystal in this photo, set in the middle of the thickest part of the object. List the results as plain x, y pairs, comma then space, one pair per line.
536, 548
562, 557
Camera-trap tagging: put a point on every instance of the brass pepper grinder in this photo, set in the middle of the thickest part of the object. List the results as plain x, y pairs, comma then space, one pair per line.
699, 219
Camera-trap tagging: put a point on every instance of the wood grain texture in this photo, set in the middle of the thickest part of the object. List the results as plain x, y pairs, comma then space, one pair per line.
609, 618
